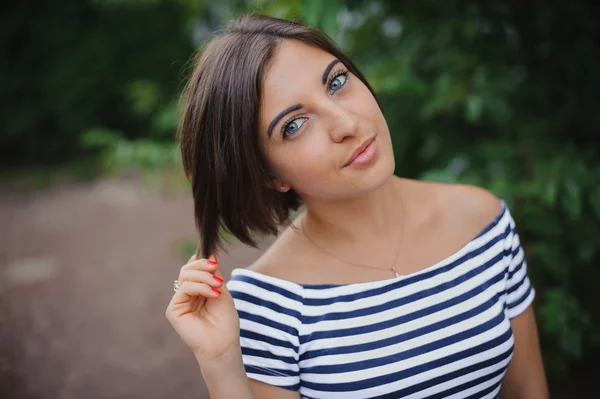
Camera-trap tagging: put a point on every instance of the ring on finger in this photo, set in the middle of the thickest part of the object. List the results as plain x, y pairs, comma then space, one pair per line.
176, 286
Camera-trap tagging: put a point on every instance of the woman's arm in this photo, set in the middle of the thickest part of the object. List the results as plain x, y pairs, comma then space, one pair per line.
525, 377
227, 379
202, 312
266, 391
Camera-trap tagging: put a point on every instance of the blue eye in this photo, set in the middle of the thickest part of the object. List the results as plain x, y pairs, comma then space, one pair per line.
293, 126
338, 81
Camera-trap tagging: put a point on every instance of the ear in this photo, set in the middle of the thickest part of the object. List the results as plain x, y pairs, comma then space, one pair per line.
278, 185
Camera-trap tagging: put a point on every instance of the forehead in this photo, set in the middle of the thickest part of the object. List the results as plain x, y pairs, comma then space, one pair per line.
294, 69
293, 54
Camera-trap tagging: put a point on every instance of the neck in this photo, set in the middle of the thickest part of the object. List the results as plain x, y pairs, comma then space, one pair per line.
366, 219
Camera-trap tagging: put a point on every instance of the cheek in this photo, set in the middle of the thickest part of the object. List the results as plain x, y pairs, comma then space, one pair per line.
307, 164
366, 108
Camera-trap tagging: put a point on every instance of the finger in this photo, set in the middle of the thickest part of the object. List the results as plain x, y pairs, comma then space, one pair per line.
193, 258
201, 264
189, 291
217, 272
182, 303
210, 265
200, 276
194, 289
212, 260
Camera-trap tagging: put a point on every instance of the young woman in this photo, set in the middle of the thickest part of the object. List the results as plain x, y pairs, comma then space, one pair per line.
381, 287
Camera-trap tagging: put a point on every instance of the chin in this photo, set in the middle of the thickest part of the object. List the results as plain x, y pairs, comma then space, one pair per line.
377, 176
386, 171
359, 182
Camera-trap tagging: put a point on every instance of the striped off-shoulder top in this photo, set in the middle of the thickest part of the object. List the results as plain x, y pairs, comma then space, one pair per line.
442, 332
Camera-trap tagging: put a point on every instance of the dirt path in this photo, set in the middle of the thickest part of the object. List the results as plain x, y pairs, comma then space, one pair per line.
86, 273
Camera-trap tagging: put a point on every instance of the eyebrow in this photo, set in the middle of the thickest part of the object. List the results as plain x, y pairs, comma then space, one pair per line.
281, 115
328, 69
298, 106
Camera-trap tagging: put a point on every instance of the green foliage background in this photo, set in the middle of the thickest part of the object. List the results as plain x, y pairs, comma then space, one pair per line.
498, 94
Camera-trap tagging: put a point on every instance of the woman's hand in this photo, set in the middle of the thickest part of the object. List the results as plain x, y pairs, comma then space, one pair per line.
202, 311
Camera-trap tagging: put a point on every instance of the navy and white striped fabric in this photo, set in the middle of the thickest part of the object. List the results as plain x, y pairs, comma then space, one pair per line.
443, 332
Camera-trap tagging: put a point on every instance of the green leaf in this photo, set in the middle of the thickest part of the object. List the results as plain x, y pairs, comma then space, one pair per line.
474, 108
144, 96
550, 192
571, 199
99, 138
564, 319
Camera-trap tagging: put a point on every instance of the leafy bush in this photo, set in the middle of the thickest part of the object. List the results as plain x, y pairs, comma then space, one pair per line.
83, 64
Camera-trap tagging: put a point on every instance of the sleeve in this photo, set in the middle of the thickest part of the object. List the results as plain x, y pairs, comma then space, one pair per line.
269, 323
519, 291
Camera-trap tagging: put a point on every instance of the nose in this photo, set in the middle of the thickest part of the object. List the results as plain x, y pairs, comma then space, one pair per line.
342, 122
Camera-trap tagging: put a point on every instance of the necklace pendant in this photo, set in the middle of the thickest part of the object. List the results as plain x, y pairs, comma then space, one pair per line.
396, 274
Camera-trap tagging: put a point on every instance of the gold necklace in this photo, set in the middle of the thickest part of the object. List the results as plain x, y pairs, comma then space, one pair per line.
392, 267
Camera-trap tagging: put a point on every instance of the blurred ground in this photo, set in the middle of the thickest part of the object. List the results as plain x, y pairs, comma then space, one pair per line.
86, 273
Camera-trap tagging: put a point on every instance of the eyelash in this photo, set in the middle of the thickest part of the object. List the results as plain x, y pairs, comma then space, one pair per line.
329, 80
335, 75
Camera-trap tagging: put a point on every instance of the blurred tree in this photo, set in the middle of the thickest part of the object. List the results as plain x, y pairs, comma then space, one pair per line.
73, 66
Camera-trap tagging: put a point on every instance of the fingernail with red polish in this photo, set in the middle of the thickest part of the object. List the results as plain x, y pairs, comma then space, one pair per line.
216, 291
217, 279
210, 262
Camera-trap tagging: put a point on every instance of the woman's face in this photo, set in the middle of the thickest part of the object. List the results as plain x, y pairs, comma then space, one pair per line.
314, 116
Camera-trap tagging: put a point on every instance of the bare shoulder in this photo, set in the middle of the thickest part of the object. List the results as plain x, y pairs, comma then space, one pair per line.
268, 262
473, 202
287, 258
469, 206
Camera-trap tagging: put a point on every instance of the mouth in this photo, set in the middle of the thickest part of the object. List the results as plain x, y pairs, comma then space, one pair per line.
363, 154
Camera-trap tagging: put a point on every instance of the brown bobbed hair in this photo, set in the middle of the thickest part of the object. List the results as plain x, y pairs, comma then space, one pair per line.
218, 131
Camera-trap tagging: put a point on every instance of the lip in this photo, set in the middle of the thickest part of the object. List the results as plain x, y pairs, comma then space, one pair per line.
359, 151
